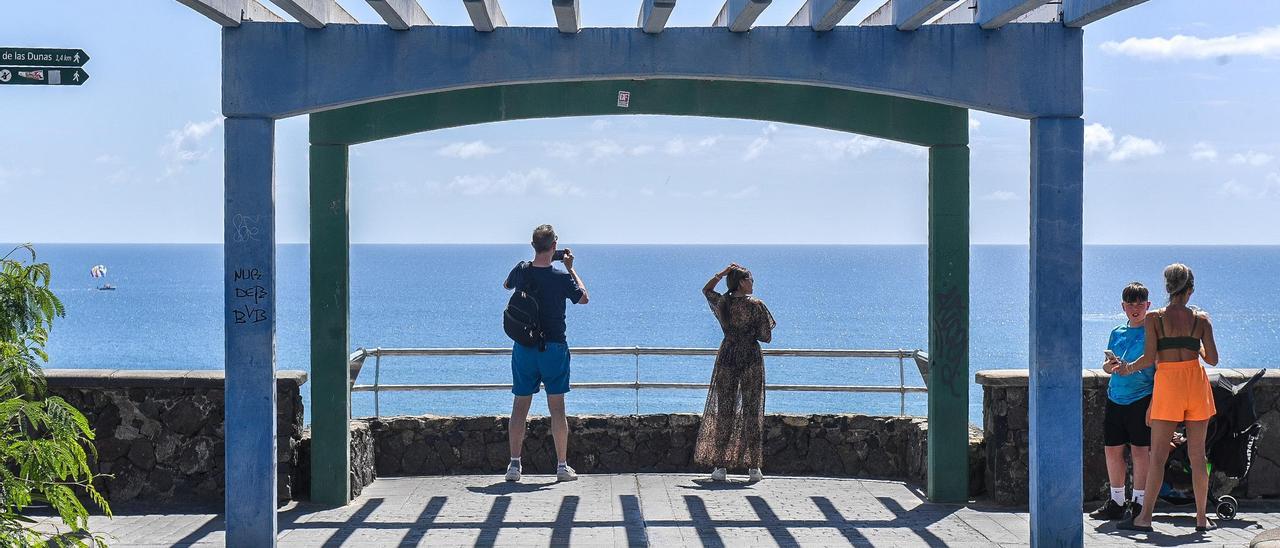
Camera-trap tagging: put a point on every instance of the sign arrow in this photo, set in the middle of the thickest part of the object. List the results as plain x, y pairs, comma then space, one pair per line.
30, 76
43, 57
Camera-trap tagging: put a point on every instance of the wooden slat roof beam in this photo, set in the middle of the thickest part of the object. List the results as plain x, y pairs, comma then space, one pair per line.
654, 15
739, 15
993, 14
568, 15
315, 14
229, 13
401, 14
822, 15
486, 15
1078, 13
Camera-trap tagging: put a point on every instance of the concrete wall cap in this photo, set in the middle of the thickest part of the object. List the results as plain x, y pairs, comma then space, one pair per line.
165, 378
1096, 377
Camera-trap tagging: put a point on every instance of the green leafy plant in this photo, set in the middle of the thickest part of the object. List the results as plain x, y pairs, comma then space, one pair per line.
45, 442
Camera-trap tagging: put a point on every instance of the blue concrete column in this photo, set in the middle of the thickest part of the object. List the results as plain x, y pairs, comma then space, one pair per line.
1057, 223
250, 320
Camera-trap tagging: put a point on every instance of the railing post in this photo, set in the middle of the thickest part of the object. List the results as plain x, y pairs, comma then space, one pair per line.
902, 385
637, 392
377, 382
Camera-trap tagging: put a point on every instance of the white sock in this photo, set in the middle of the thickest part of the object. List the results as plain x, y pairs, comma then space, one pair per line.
564, 464
1139, 496
515, 460
1117, 494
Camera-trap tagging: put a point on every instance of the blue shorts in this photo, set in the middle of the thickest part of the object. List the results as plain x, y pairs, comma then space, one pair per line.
530, 367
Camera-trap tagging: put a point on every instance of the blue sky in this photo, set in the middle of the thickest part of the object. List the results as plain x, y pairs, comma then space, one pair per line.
1180, 107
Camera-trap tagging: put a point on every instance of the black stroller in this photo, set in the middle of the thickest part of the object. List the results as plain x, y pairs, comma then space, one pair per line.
1229, 444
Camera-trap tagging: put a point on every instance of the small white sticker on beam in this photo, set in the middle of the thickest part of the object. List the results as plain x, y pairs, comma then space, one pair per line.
401, 14
1078, 13
907, 14
993, 14
229, 13
486, 15
822, 15
568, 17
654, 15
315, 14
738, 15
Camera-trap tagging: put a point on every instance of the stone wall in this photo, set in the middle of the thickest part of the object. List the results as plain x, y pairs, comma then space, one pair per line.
820, 445
362, 468
160, 433
1004, 410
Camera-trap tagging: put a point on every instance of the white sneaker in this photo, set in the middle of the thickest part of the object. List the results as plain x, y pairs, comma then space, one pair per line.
719, 474
513, 471
566, 473
754, 474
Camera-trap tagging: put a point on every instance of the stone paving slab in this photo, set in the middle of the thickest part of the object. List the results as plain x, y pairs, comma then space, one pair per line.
652, 510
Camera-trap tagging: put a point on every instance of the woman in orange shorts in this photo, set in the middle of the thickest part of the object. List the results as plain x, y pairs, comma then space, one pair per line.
1177, 338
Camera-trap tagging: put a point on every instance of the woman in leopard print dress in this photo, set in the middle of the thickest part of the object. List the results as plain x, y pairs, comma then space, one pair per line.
731, 435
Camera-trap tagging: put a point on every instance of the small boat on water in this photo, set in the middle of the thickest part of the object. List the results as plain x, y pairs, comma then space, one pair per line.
99, 271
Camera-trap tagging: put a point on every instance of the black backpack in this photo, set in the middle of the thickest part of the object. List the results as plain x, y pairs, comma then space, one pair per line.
520, 319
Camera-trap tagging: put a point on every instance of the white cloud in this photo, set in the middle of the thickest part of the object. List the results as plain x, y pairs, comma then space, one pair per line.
1000, 196
1264, 42
1204, 152
680, 147
860, 145
974, 123
640, 150
747, 192
1253, 158
599, 125
598, 149
1271, 189
760, 143
561, 150
1135, 147
1234, 189
514, 183
1099, 139
107, 159
468, 150
186, 146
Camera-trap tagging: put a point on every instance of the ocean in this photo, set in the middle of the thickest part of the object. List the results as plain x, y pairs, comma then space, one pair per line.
167, 314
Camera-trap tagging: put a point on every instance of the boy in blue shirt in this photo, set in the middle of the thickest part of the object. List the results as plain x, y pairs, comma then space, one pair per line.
1128, 397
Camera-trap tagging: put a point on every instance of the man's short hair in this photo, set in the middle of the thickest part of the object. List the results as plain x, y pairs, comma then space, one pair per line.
1135, 292
544, 238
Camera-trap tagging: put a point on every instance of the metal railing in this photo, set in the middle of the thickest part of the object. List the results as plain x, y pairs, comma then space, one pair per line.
921, 359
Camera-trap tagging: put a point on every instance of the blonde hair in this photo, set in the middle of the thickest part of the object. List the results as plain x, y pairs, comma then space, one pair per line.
1178, 280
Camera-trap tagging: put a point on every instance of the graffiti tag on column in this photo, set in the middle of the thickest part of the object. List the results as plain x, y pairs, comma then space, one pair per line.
246, 227
248, 312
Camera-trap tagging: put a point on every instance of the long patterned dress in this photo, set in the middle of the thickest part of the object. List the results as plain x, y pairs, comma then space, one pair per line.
733, 421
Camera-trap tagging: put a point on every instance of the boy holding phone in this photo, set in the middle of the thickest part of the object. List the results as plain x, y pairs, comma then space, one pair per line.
1128, 397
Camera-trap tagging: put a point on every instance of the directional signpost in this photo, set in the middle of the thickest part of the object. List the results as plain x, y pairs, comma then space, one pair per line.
42, 66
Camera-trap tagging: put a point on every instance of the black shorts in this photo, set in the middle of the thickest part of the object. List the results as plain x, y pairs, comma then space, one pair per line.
1126, 424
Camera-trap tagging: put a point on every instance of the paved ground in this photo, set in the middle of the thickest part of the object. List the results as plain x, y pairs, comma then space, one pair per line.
655, 510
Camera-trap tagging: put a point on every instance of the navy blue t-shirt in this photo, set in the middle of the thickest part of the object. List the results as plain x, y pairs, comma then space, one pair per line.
554, 287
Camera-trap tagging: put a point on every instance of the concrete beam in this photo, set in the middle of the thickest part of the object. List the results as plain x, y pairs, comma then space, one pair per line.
486, 15
568, 16
654, 15
1078, 13
401, 14
963, 13
229, 13
315, 14
1023, 71
906, 14
822, 15
738, 15
993, 14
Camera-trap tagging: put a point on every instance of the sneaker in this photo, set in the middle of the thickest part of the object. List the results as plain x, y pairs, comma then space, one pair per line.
1132, 509
1108, 511
513, 471
754, 475
719, 474
565, 473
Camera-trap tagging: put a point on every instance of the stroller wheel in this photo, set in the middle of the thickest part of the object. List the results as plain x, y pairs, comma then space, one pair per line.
1226, 507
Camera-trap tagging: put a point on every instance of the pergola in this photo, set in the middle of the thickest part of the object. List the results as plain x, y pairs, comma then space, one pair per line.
909, 72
